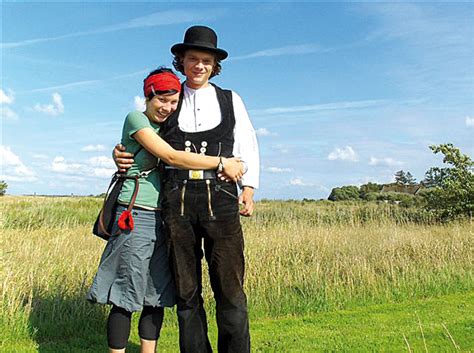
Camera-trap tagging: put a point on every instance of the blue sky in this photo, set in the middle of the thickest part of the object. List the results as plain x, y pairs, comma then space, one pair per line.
339, 94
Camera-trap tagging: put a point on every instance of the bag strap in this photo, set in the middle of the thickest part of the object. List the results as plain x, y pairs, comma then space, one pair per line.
135, 192
136, 178
115, 178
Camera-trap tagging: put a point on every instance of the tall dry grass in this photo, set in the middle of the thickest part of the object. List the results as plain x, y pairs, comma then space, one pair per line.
301, 257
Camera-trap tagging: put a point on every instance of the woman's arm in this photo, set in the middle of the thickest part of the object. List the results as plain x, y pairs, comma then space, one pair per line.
161, 149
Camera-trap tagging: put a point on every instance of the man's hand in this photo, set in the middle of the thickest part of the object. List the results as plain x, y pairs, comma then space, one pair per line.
123, 160
246, 199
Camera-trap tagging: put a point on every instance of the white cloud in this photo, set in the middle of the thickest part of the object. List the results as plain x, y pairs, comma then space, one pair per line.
66, 86
162, 18
8, 157
103, 173
95, 167
288, 50
264, 132
56, 108
101, 161
344, 154
6, 98
139, 103
151, 20
297, 181
93, 148
13, 168
383, 178
278, 170
281, 149
300, 182
68, 178
59, 165
8, 114
469, 121
389, 162
40, 156
321, 107
439, 42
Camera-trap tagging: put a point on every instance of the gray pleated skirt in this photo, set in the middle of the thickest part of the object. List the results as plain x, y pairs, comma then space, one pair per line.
134, 269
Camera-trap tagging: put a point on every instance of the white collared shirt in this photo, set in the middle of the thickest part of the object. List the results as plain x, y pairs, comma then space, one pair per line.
200, 111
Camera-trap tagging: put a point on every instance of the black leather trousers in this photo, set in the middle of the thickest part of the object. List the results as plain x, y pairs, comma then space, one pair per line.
207, 211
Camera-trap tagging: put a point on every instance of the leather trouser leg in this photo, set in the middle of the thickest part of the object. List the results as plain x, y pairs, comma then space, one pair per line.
224, 246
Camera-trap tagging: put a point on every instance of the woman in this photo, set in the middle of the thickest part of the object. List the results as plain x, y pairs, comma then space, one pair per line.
134, 273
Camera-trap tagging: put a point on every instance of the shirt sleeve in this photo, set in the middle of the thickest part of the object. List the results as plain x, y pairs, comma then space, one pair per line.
133, 122
245, 143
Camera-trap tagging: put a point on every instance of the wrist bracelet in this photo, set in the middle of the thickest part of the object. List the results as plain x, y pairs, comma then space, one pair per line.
220, 166
246, 167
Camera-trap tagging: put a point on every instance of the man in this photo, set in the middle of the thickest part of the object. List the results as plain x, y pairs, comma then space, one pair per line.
198, 205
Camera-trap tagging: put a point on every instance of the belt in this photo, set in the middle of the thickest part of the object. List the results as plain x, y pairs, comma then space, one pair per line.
139, 207
190, 174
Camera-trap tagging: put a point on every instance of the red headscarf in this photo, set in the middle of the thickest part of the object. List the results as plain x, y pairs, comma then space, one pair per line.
163, 81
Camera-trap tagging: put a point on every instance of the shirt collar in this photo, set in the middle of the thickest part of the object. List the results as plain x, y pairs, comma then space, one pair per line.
191, 91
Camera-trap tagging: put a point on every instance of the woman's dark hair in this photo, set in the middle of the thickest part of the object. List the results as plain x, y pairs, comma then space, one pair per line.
178, 64
160, 70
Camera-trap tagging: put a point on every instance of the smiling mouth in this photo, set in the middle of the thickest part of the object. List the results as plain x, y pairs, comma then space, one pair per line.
162, 116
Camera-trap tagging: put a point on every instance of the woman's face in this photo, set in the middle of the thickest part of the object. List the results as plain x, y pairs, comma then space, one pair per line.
159, 108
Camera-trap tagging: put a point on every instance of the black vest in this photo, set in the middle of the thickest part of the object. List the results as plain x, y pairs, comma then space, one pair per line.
218, 141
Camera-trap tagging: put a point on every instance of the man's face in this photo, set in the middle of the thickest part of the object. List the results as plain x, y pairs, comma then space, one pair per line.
198, 66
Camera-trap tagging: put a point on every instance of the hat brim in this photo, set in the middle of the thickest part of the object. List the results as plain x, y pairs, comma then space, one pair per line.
221, 54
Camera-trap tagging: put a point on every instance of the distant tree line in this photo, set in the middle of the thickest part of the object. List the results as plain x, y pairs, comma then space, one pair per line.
451, 192
373, 192
402, 178
447, 192
3, 187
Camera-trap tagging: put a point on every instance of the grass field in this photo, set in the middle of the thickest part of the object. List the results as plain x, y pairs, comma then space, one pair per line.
320, 276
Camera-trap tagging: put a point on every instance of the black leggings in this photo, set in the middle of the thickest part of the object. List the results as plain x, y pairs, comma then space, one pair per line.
118, 325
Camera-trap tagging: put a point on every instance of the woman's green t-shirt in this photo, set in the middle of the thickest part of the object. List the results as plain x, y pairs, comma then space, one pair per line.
149, 187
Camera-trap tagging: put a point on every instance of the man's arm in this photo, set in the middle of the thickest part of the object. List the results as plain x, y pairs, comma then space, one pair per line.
246, 148
123, 160
246, 199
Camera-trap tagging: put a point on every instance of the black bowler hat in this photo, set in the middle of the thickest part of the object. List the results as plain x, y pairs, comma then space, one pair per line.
200, 37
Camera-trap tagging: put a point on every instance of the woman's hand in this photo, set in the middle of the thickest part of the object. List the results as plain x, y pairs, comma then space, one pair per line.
123, 160
233, 169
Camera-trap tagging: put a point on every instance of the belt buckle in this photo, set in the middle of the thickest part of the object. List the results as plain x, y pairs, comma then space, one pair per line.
196, 174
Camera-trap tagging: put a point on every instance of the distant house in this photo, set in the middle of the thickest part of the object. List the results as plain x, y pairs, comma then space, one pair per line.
406, 189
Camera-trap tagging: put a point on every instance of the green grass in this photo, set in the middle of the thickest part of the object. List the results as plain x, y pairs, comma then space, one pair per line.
375, 328
444, 324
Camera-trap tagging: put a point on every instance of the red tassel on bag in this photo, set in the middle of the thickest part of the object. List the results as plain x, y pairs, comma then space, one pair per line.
125, 221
